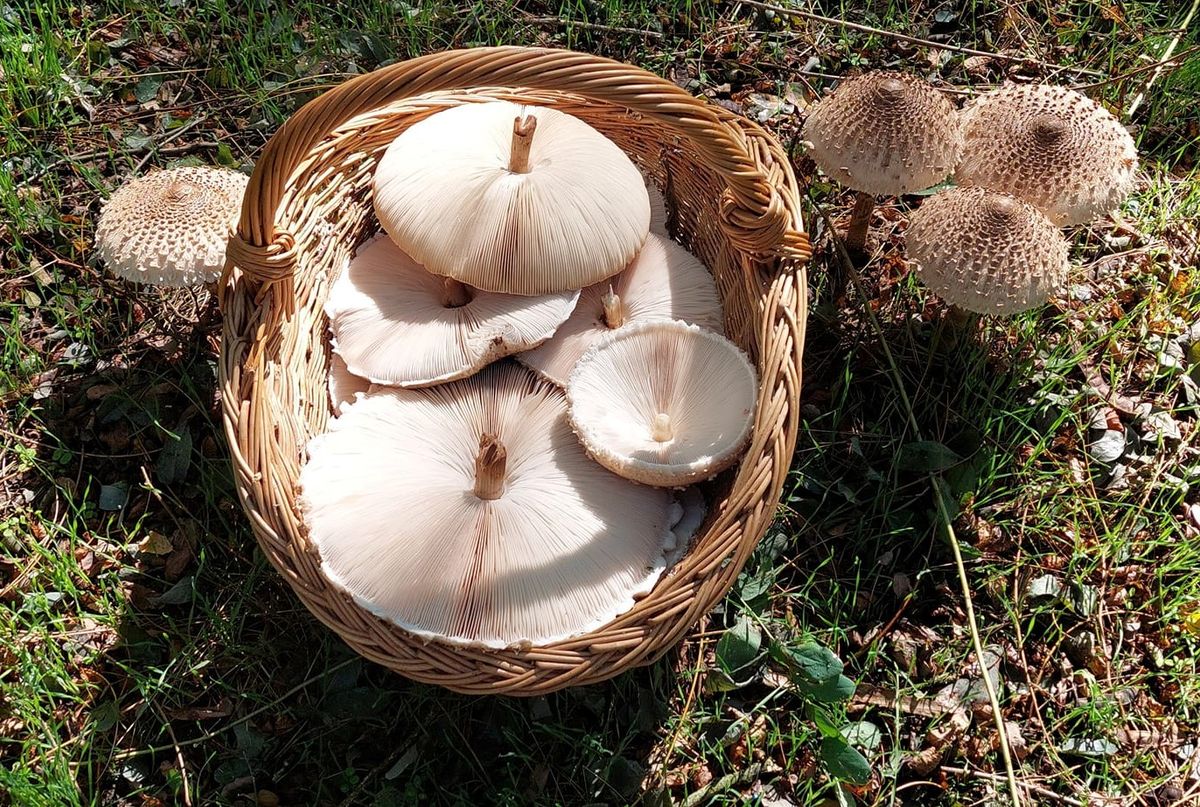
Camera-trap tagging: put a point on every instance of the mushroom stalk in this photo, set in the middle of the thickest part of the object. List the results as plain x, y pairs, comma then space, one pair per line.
661, 429
522, 140
491, 464
614, 310
860, 221
454, 293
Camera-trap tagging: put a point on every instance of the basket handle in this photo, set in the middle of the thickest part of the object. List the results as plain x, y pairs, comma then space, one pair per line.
752, 213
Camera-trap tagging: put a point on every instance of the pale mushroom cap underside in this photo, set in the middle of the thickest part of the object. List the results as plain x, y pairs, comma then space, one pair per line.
171, 227
1051, 146
390, 499
391, 323
884, 133
664, 281
663, 402
987, 252
445, 193
344, 385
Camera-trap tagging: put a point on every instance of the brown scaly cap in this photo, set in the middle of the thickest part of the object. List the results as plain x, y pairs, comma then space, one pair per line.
987, 252
1056, 149
885, 133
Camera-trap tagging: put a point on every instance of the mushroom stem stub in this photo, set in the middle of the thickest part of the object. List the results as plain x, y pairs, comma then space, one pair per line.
860, 222
614, 311
522, 140
661, 429
491, 464
454, 293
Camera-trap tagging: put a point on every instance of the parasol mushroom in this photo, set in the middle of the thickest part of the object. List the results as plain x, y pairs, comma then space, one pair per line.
396, 324
171, 227
664, 281
470, 514
514, 199
987, 252
883, 133
1053, 147
663, 403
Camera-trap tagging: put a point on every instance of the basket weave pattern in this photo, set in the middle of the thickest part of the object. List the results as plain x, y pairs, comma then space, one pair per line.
734, 203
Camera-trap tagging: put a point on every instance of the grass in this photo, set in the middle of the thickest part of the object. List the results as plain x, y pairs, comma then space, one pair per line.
148, 654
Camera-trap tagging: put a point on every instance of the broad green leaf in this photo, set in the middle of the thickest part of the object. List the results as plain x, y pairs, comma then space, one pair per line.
863, 733
926, 456
834, 690
738, 646
844, 762
810, 663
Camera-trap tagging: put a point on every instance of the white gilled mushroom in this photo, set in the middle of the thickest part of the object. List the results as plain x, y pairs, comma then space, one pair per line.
658, 208
514, 199
987, 252
1058, 150
171, 227
664, 403
665, 281
344, 385
883, 134
469, 513
396, 324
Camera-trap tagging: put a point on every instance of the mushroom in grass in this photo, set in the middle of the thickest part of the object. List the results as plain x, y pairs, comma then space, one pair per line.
344, 385
1058, 150
396, 324
171, 227
470, 514
987, 252
514, 199
663, 403
664, 281
883, 134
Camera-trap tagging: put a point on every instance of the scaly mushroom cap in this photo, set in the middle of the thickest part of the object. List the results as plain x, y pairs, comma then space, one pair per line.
1058, 150
469, 513
665, 281
344, 385
663, 403
514, 199
987, 252
396, 324
170, 227
885, 134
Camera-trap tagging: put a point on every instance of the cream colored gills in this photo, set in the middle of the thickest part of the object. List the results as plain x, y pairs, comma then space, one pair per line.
469, 513
514, 199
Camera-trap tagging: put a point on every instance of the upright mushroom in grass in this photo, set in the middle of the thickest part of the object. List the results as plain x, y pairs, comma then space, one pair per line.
883, 134
664, 281
1058, 150
987, 252
171, 227
469, 513
663, 403
514, 199
396, 324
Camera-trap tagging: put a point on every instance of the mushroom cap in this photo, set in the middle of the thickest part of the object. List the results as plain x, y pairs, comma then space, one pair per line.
664, 281
170, 227
987, 252
1058, 150
389, 498
701, 382
344, 385
884, 133
658, 209
390, 324
445, 194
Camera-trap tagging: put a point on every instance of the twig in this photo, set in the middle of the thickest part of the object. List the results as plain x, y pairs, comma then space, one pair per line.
854, 26
1146, 68
1030, 786
943, 511
745, 776
1137, 100
592, 26
187, 793
154, 148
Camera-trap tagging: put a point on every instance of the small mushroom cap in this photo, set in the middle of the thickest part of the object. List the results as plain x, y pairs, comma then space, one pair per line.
987, 252
885, 134
344, 385
444, 192
389, 497
663, 403
1058, 150
391, 324
171, 227
664, 281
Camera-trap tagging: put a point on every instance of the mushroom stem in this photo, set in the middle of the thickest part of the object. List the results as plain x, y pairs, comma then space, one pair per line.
860, 221
614, 310
661, 430
454, 294
522, 139
491, 464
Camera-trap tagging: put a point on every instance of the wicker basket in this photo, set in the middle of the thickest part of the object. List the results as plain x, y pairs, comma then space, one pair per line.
308, 206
